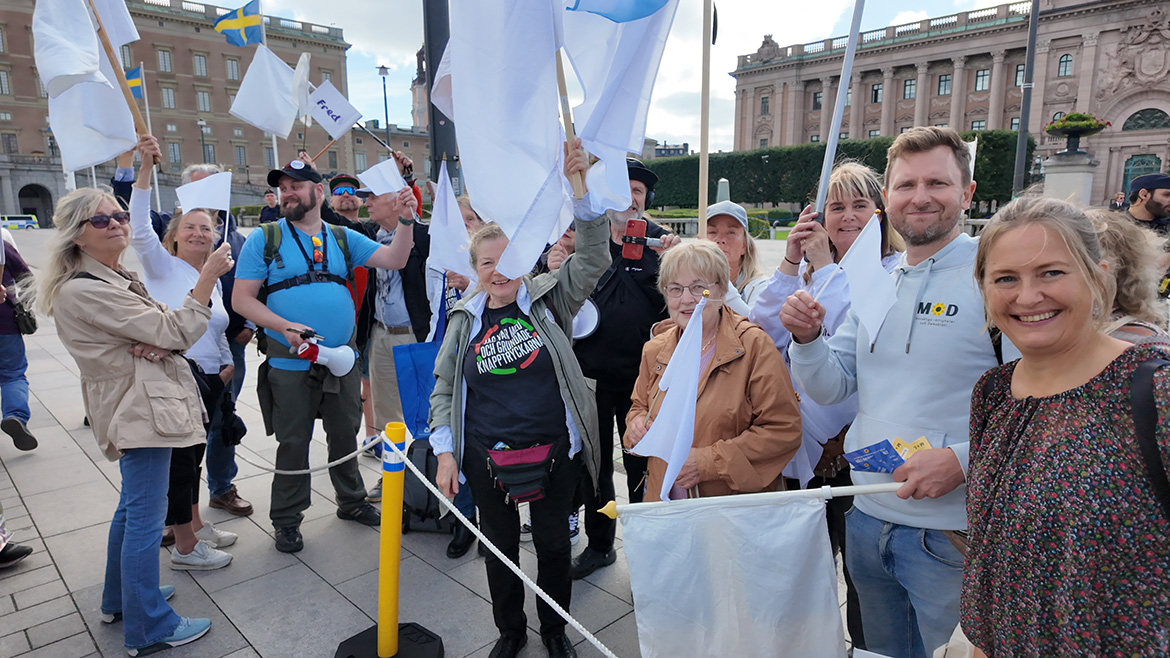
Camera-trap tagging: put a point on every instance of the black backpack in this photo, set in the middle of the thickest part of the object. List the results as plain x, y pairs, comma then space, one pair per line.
420, 508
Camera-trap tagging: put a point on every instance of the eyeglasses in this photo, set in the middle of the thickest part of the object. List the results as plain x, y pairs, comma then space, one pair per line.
102, 221
675, 291
318, 256
344, 189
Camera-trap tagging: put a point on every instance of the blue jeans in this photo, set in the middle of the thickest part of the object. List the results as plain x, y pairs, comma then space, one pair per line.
465, 502
907, 580
238, 361
132, 554
221, 458
13, 384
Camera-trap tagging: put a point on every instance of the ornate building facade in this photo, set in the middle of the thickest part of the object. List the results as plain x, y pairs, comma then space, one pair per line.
1110, 58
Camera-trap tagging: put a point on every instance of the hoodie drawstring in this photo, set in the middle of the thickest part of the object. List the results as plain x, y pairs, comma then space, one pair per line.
918, 300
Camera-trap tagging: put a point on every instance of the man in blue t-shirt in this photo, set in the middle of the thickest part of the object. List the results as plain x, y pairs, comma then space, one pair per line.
306, 288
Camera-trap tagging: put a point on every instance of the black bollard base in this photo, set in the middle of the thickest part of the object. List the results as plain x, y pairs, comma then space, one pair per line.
414, 641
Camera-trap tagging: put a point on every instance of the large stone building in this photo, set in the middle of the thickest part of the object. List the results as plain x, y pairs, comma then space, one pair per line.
1110, 58
191, 76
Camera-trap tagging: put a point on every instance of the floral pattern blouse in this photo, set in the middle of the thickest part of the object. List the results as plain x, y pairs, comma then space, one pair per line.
1069, 549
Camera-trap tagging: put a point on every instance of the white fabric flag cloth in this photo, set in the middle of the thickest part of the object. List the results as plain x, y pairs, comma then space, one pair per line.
449, 237
504, 102
332, 110
673, 431
617, 64
972, 147
301, 87
117, 21
871, 288
87, 111
213, 192
383, 178
265, 97
749, 578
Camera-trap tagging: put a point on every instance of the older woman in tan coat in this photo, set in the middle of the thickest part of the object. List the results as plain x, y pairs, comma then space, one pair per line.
747, 420
139, 394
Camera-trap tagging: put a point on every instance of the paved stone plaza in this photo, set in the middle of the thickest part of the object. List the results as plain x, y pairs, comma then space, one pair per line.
60, 498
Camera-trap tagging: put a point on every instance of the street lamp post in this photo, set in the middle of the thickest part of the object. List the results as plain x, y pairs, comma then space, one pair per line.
202, 144
384, 71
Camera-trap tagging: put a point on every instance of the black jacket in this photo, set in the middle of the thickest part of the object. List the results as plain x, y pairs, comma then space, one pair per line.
414, 286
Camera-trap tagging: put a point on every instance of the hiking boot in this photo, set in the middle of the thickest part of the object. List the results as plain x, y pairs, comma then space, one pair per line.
201, 558
591, 560
167, 591
364, 514
288, 539
214, 537
18, 430
231, 503
187, 631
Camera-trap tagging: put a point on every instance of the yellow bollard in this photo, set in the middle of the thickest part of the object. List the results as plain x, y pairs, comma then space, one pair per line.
390, 555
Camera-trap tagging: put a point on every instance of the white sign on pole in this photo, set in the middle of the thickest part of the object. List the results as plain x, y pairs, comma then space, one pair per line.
332, 110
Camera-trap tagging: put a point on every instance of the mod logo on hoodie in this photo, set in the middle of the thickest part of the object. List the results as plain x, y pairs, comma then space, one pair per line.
936, 314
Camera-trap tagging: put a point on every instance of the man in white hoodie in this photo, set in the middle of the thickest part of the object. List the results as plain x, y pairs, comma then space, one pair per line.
913, 379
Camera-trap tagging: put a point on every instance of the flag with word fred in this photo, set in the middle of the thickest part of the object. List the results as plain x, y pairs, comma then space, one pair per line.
242, 27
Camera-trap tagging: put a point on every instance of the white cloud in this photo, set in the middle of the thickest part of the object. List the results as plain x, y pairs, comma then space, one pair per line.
904, 17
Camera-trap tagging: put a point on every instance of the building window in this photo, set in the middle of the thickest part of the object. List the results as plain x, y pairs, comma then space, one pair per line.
201, 66
903, 129
814, 138
875, 93
164, 61
233, 69
172, 128
843, 136
168, 98
1150, 118
818, 97
1058, 116
982, 80
405, 145
206, 130
231, 100
2, 39
979, 125
909, 89
1064, 67
41, 87
209, 152
333, 160
326, 76
849, 97
875, 133
357, 140
1019, 75
203, 100
5, 85
359, 161
241, 155
269, 157
765, 104
764, 143
127, 60
237, 132
940, 125
944, 84
5, 116
174, 153
10, 144
1015, 124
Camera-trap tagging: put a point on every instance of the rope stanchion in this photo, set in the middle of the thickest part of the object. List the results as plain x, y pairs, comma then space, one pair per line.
316, 469
492, 547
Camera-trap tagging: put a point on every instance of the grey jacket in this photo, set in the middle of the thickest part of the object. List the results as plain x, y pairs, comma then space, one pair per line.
553, 300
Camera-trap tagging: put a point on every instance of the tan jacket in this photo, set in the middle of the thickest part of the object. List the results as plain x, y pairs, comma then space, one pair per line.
131, 402
747, 418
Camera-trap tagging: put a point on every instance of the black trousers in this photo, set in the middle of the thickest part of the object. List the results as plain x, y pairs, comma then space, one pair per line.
613, 403
499, 520
183, 490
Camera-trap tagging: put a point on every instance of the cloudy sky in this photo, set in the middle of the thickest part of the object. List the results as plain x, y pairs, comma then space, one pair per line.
391, 33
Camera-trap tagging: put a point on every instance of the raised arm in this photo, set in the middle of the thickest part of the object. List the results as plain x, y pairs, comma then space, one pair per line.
395, 255
156, 261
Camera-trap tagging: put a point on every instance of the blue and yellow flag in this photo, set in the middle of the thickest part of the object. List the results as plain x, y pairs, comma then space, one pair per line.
134, 80
242, 27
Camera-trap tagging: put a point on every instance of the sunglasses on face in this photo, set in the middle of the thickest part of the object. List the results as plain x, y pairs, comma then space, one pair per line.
102, 221
344, 189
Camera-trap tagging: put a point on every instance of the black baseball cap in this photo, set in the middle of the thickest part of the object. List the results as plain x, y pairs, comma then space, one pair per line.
295, 170
1150, 182
641, 172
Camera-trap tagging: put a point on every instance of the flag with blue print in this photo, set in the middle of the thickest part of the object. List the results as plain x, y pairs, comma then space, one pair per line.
242, 27
134, 81
619, 11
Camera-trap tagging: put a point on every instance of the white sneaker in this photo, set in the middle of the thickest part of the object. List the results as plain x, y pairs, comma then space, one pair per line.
214, 537
201, 558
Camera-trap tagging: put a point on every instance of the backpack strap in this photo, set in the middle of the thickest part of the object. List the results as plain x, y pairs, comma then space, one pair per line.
343, 243
1145, 420
997, 344
272, 238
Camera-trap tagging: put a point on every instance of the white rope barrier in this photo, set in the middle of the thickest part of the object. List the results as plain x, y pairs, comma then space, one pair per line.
613, 510
316, 469
515, 569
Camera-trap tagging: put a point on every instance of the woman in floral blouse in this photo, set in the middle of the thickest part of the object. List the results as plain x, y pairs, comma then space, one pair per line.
1069, 549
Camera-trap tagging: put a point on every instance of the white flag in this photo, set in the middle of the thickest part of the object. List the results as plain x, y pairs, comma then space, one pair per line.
871, 288
673, 431
449, 237
265, 97
213, 192
972, 147
617, 64
87, 111
117, 21
749, 578
301, 88
504, 103
383, 178
331, 109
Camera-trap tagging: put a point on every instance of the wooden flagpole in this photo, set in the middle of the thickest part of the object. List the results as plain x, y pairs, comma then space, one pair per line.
139, 122
570, 134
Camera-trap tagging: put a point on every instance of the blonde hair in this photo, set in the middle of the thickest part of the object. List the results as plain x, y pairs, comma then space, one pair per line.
1074, 228
70, 215
488, 233
851, 179
170, 240
927, 138
705, 259
464, 201
1133, 253
749, 263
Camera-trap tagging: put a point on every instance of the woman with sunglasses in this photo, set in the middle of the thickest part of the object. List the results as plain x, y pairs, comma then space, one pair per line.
139, 395
170, 268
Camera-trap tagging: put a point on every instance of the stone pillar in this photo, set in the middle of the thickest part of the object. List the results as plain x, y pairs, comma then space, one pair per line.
827, 101
8, 200
889, 100
958, 93
1088, 68
739, 123
794, 122
995, 105
1069, 176
749, 117
922, 96
856, 107
1036, 118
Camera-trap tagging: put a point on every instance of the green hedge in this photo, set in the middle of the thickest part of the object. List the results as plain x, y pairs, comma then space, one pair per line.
789, 174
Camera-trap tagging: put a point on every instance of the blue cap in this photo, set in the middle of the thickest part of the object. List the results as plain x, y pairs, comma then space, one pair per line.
1150, 182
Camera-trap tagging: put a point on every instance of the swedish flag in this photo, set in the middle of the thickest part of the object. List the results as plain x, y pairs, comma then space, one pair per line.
242, 27
134, 81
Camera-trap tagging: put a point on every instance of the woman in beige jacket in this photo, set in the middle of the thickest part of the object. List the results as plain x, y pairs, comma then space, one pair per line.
139, 395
